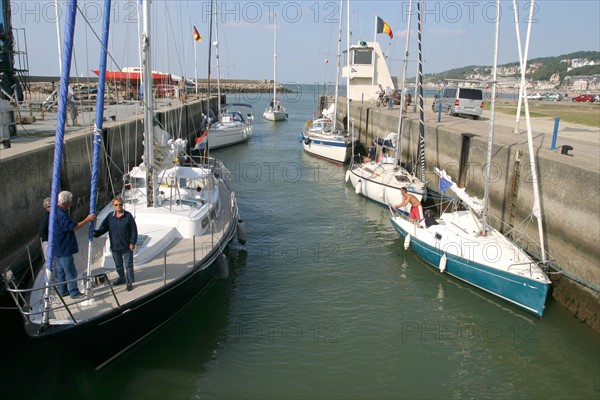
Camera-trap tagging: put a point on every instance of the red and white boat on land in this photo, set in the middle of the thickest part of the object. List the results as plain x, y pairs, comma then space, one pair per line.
134, 74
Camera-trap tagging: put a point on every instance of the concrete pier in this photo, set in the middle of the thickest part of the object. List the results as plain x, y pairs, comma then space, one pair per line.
569, 184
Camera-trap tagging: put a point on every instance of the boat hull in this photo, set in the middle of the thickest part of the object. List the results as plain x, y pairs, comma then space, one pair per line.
275, 115
225, 136
527, 294
336, 151
378, 183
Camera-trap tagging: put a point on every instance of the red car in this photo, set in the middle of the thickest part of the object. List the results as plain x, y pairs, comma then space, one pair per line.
584, 98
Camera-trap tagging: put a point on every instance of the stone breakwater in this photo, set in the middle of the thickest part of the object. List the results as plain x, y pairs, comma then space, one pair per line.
87, 87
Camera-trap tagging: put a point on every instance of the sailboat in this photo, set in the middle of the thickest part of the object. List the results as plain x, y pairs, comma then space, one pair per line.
275, 111
462, 244
186, 215
382, 179
233, 122
321, 137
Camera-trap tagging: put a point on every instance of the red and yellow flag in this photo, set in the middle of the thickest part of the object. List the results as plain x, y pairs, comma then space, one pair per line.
197, 36
384, 27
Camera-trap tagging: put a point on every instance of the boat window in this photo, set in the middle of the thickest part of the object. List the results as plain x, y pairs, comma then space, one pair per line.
137, 182
238, 116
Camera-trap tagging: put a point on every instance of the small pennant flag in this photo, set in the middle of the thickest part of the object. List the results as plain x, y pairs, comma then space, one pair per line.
384, 27
444, 184
201, 141
197, 36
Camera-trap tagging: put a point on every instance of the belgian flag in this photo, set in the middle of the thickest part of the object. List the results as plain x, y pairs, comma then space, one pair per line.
384, 27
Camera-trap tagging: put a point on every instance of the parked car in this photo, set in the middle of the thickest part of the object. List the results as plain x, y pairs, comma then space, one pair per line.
534, 96
459, 101
597, 98
582, 98
552, 96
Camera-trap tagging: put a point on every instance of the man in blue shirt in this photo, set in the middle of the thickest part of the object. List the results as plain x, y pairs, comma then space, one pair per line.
123, 234
65, 245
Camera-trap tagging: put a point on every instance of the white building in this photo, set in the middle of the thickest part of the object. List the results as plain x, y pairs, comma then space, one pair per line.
368, 69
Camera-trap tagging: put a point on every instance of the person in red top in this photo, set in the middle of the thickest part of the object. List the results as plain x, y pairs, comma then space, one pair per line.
416, 210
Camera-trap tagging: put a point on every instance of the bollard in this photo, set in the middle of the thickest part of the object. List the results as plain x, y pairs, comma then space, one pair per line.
565, 150
555, 133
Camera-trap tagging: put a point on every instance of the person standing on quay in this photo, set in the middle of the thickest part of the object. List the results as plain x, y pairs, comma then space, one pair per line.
65, 245
123, 234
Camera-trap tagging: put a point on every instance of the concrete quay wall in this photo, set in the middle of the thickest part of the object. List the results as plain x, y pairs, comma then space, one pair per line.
569, 192
26, 175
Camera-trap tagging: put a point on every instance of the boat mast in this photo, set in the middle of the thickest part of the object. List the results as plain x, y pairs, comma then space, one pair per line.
520, 99
537, 209
420, 87
151, 195
403, 85
348, 72
207, 127
337, 71
274, 59
97, 138
61, 116
486, 193
218, 61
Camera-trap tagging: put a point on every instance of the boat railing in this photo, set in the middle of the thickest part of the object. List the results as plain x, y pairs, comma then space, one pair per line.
30, 301
520, 238
530, 264
216, 166
30, 298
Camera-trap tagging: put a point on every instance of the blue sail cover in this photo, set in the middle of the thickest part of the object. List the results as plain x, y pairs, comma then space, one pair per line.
97, 138
67, 52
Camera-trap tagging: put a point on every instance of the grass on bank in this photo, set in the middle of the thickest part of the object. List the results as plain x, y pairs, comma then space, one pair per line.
579, 113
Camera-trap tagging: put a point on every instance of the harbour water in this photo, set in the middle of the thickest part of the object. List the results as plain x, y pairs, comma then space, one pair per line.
323, 302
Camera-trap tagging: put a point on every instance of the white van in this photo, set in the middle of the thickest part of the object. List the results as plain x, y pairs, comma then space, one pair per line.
460, 101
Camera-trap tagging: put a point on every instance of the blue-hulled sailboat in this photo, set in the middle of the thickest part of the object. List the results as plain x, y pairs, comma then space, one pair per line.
462, 243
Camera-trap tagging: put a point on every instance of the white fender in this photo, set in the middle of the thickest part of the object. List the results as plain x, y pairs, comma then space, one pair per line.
347, 176
443, 262
358, 188
407, 242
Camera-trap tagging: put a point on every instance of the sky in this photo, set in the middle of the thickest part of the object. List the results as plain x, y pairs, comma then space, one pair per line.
455, 34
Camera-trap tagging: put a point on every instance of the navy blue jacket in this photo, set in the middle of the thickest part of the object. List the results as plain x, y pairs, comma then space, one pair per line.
65, 243
121, 231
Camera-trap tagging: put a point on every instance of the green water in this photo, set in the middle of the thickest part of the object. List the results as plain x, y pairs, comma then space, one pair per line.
323, 302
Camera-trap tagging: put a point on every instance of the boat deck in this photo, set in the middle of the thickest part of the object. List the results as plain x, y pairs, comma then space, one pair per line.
177, 261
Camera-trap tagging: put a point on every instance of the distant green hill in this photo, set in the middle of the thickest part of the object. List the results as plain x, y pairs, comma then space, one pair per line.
549, 66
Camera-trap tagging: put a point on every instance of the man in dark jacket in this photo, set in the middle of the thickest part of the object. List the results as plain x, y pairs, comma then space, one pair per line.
122, 232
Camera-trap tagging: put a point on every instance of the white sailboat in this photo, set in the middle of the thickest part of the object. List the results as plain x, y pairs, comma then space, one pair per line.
233, 122
461, 243
186, 216
321, 137
381, 179
275, 111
